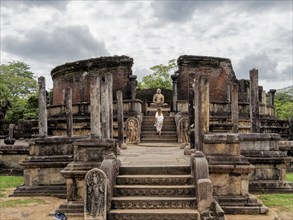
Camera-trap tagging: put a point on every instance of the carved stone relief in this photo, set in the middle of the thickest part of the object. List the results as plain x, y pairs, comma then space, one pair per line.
132, 130
95, 195
183, 131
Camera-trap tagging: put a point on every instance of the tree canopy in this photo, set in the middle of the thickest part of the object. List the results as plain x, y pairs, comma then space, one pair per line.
18, 92
284, 105
160, 78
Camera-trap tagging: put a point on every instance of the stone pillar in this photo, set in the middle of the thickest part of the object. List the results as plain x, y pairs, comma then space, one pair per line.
174, 92
106, 106
191, 110
132, 79
264, 101
234, 108
264, 97
43, 127
204, 107
196, 115
260, 89
229, 93
68, 111
254, 101
95, 99
120, 119
272, 97
10, 139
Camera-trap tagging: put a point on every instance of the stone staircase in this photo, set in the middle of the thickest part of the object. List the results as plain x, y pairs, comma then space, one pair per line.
150, 135
154, 193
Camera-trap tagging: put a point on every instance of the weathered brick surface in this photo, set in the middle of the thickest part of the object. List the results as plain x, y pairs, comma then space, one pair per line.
78, 75
218, 70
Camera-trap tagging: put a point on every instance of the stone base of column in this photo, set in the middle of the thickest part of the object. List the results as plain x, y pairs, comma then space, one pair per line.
88, 154
262, 150
42, 168
229, 173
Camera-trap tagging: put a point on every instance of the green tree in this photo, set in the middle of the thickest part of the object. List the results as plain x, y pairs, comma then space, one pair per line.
160, 78
284, 105
17, 90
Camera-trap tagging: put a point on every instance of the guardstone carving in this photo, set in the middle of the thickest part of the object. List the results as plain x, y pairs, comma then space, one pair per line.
95, 195
132, 130
183, 131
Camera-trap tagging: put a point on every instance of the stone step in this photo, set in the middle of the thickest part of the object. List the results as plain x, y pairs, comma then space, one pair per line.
153, 190
165, 117
168, 119
156, 136
160, 139
153, 214
154, 179
164, 128
153, 203
154, 132
154, 170
152, 124
56, 190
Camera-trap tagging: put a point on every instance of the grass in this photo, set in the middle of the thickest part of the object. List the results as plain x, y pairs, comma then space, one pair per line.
12, 182
9, 182
21, 202
289, 177
282, 201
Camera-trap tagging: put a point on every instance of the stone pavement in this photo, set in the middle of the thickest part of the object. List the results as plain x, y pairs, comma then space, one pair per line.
154, 154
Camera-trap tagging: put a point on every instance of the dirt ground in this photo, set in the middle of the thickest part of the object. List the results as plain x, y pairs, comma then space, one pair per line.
35, 211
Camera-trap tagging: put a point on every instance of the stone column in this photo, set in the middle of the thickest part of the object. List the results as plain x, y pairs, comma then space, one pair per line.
229, 93
10, 131
264, 101
196, 114
272, 97
174, 92
234, 108
43, 127
95, 99
120, 119
254, 101
10, 139
204, 107
260, 89
191, 109
106, 106
132, 79
68, 111
264, 97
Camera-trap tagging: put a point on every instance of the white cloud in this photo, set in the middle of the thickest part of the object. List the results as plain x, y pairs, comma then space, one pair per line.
250, 33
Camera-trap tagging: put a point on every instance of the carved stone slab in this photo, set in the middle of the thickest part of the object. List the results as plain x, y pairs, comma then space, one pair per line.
95, 202
132, 130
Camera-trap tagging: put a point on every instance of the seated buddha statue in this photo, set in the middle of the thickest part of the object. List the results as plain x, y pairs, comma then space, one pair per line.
158, 100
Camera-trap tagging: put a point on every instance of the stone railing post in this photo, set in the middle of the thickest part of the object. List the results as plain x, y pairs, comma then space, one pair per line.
254, 101
203, 187
174, 92
132, 80
95, 99
106, 106
43, 127
196, 143
68, 111
272, 97
10, 139
120, 118
234, 108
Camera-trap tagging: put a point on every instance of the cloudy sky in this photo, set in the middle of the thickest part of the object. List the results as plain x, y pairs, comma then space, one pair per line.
253, 34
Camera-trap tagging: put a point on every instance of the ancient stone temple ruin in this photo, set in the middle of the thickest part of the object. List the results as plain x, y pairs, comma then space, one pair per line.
224, 126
